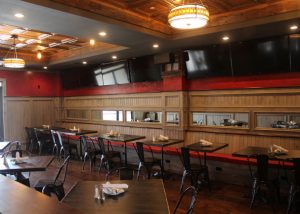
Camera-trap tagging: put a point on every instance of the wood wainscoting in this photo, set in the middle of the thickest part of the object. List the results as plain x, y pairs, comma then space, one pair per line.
20, 112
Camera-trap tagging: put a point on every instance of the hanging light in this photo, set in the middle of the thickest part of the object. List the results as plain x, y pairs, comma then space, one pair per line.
188, 16
13, 62
39, 55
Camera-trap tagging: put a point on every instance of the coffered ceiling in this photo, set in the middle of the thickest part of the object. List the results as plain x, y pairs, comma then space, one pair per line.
133, 26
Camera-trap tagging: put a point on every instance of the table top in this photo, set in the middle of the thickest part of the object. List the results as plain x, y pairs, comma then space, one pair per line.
162, 143
255, 150
198, 147
17, 198
121, 138
4, 145
33, 163
147, 196
77, 133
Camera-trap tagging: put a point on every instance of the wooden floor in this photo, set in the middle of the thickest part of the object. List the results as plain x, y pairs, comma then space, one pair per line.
223, 199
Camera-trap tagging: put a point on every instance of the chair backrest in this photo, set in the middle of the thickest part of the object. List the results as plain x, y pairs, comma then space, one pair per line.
140, 151
101, 145
84, 143
30, 134
88, 143
53, 136
297, 170
185, 153
193, 193
63, 168
60, 142
262, 167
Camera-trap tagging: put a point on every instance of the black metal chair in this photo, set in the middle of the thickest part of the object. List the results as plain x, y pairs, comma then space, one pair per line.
125, 173
90, 149
262, 179
197, 172
146, 162
193, 192
107, 156
56, 185
295, 185
31, 139
43, 140
55, 143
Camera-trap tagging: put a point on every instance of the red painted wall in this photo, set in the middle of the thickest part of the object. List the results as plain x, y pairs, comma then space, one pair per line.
181, 84
35, 84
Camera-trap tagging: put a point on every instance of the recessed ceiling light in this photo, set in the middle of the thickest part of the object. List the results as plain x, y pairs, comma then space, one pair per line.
102, 33
19, 15
155, 45
114, 57
84, 62
45, 67
225, 38
294, 27
92, 42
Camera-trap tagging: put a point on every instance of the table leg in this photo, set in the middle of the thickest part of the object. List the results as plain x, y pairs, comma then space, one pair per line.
125, 152
162, 163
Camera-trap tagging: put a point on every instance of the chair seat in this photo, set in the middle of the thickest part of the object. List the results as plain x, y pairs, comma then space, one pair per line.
41, 183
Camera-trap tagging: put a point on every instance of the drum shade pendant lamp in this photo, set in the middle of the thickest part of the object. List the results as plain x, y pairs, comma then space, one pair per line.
188, 16
14, 61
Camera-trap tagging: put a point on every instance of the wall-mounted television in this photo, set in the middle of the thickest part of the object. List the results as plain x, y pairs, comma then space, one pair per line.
143, 69
79, 77
208, 61
262, 56
295, 52
112, 73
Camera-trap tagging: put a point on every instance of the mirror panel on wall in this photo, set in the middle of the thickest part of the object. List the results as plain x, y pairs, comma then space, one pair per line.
220, 119
77, 114
143, 116
172, 118
112, 115
289, 121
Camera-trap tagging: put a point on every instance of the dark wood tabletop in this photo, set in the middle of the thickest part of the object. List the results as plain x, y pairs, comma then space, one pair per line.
198, 147
121, 138
255, 150
161, 143
33, 163
78, 133
147, 196
4, 145
17, 198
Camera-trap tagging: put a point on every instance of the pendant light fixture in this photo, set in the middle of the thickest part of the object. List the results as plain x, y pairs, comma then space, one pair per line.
14, 61
188, 16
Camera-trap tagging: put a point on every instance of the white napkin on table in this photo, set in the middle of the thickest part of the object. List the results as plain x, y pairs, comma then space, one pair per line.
115, 186
205, 142
279, 149
163, 138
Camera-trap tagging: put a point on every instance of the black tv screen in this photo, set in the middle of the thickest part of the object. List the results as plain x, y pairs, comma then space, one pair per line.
143, 69
112, 73
79, 77
295, 52
208, 61
262, 56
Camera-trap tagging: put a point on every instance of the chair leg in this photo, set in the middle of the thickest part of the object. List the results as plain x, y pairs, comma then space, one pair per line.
101, 163
255, 188
292, 193
139, 170
40, 147
60, 192
182, 180
84, 159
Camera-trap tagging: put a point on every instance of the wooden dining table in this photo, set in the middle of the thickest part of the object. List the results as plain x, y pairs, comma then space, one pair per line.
33, 163
147, 196
124, 138
17, 198
198, 147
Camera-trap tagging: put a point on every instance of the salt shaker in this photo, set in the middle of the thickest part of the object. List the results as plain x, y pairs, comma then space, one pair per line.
97, 193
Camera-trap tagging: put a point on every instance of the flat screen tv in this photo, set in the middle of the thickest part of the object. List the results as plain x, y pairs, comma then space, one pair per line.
79, 77
143, 69
295, 52
263, 56
208, 61
112, 73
